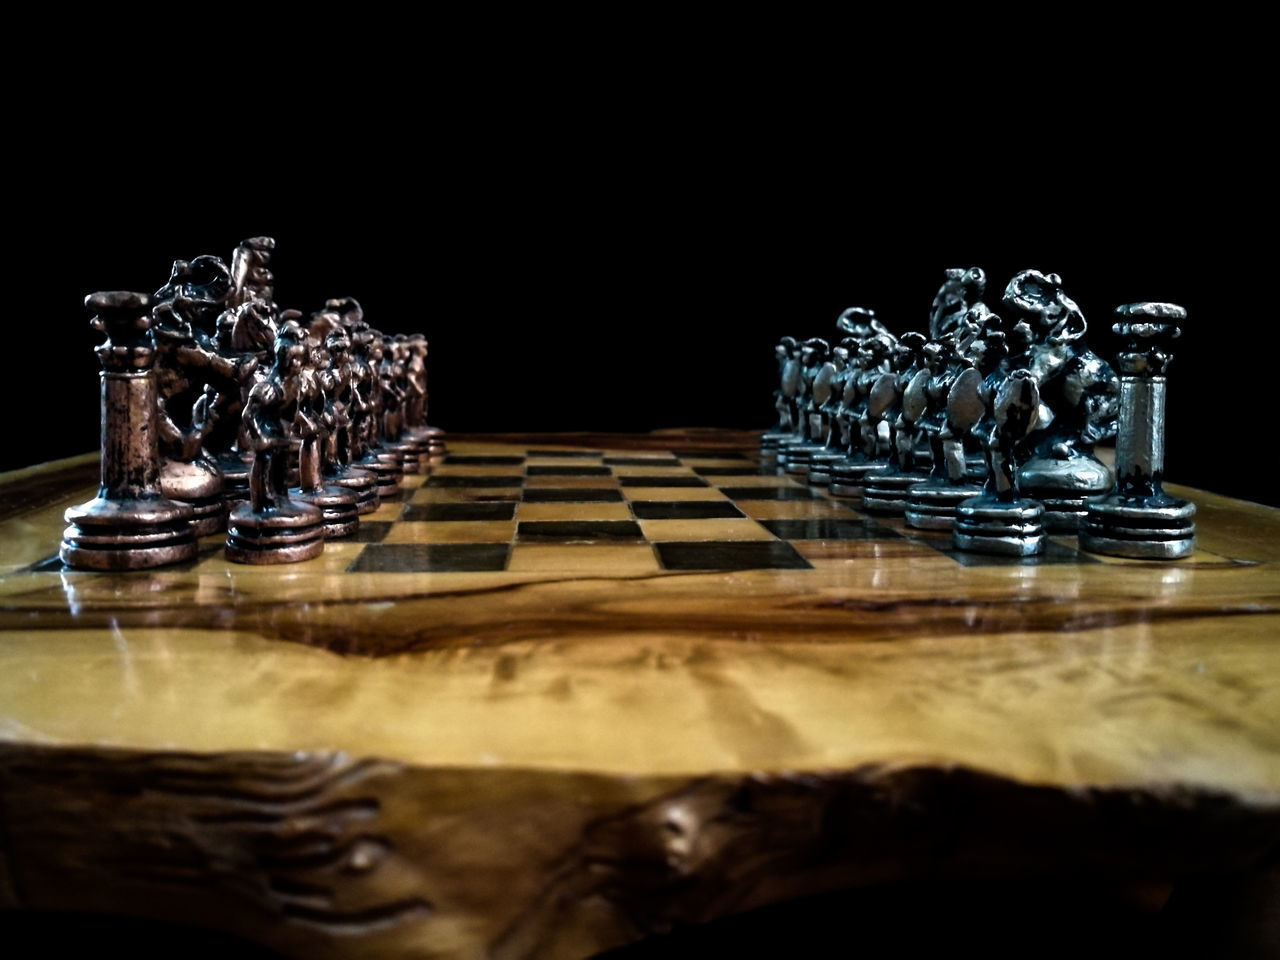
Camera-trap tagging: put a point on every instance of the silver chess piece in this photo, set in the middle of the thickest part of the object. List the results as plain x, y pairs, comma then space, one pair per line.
1139, 519
999, 521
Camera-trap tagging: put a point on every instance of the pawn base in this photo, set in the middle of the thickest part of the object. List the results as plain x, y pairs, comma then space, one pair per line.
820, 465
337, 506
208, 517
360, 482
932, 505
1156, 528
887, 491
849, 478
799, 457
1010, 528
287, 533
127, 534
386, 470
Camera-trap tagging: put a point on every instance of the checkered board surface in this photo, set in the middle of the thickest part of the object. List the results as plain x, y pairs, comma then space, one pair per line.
490, 508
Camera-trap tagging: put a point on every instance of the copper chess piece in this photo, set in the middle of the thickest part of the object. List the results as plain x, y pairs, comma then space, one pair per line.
130, 524
272, 528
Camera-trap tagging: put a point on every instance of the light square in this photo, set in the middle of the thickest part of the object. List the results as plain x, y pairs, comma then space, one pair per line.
743, 529
451, 531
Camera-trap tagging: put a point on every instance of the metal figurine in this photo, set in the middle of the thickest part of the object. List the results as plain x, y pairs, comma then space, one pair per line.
794, 456
366, 409
783, 397
393, 376
861, 324
251, 280
835, 439
416, 370
1078, 393
1139, 519
961, 290
337, 504
336, 383
867, 395
271, 528
186, 410
886, 490
999, 521
130, 524
244, 340
416, 425
189, 376
953, 406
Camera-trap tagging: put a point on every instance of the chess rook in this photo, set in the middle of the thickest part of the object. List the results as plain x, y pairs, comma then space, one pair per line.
1139, 519
130, 524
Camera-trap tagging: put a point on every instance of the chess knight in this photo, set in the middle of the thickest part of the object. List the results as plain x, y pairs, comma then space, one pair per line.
1079, 400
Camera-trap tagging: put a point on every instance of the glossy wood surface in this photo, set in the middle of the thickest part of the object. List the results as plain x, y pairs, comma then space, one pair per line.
586, 695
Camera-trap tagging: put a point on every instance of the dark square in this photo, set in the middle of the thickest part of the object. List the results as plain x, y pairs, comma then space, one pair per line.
371, 531
643, 461
460, 511
475, 481
430, 558
677, 481
564, 453
732, 471
561, 530
769, 493
684, 509
568, 471
828, 529
585, 495
714, 454
485, 461
731, 555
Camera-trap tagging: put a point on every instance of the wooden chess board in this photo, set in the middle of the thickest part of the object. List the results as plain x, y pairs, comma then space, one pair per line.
567, 691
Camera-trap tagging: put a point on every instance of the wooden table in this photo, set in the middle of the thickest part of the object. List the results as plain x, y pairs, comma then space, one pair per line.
472, 735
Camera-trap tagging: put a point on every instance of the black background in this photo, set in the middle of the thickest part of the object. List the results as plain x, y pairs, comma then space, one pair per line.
622, 255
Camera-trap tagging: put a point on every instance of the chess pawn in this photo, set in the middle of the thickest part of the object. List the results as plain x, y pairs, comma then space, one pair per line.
130, 524
860, 324
818, 377
271, 528
393, 372
788, 399
999, 521
376, 458
337, 505
416, 415
821, 461
954, 406
886, 491
869, 394
781, 400
335, 384
1139, 519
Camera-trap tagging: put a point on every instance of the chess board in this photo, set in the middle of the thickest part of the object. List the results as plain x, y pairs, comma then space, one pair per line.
495, 508
554, 667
